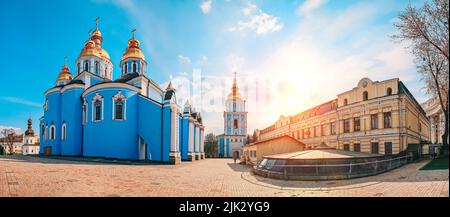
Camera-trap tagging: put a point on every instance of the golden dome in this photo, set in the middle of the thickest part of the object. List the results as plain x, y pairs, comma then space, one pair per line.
93, 49
133, 50
64, 74
235, 95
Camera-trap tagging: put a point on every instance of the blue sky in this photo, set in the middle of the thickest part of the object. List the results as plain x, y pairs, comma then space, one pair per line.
305, 52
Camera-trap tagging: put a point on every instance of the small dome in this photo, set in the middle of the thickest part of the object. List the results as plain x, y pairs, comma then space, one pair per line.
93, 47
133, 50
64, 74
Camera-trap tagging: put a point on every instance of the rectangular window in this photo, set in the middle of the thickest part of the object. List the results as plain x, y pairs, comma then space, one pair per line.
357, 147
356, 124
333, 128
321, 130
388, 148
374, 148
98, 111
119, 111
374, 121
347, 126
387, 120
346, 147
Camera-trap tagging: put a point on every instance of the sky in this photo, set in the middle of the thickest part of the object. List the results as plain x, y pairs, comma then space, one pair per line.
288, 55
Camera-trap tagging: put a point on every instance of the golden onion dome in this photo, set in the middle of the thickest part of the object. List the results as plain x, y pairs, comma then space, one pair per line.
64, 74
133, 50
93, 49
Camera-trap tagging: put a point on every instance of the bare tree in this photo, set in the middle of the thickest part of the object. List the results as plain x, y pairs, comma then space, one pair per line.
427, 29
8, 139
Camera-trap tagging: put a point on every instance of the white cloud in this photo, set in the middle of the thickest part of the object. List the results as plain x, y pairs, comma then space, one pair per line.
309, 6
249, 9
184, 59
206, 6
204, 60
260, 22
16, 129
21, 101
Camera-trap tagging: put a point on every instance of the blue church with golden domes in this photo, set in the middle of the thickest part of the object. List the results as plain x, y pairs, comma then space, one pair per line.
91, 115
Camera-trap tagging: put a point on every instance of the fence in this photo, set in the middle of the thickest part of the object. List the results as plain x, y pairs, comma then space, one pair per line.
285, 169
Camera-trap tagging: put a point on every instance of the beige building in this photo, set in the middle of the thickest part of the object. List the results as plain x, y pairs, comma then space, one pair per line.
254, 152
436, 116
380, 117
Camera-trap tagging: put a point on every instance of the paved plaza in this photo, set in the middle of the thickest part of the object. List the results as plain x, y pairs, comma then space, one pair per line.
34, 176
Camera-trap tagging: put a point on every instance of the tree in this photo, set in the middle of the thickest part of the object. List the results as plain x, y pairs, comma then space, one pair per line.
426, 29
9, 136
211, 146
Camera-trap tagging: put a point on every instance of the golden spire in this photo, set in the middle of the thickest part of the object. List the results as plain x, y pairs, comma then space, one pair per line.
234, 95
64, 74
133, 50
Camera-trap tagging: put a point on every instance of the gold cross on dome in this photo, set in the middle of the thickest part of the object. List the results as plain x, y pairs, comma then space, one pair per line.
133, 30
96, 22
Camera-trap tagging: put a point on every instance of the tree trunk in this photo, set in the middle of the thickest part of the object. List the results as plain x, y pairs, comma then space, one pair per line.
445, 135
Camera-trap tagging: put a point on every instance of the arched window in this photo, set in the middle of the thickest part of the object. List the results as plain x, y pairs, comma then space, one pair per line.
52, 132
85, 113
389, 91
46, 133
125, 70
63, 132
345, 102
86, 66
97, 108
106, 72
134, 66
97, 68
236, 123
365, 95
78, 68
119, 106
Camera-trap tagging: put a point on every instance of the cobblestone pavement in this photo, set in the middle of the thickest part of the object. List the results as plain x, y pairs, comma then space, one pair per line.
33, 176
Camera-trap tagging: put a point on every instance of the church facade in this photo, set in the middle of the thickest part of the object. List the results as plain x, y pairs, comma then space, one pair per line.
235, 124
92, 115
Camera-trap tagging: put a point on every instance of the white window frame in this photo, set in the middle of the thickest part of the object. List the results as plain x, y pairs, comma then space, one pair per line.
95, 98
124, 110
85, 112
54, 132
64, 132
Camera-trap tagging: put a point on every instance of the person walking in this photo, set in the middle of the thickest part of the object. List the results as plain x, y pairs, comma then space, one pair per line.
234, 157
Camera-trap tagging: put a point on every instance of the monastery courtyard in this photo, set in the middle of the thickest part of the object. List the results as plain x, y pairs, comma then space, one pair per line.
34, 176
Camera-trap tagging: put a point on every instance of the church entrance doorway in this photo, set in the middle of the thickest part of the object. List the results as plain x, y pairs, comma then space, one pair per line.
236, 153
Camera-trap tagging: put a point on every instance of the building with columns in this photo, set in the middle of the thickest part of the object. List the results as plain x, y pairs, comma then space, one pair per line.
379, 117
235, 124
436, 116
90, 114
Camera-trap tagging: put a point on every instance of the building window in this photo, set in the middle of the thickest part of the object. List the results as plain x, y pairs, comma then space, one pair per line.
322, 130
63, 132
388, 148
85, 113
86, 66
235, 124
134, 66
374, 121
389, 91
315, 131
97, 108
387, 120
303, 133
52, 132
374, 148
78, 68
333, 128
356, 124
346, 147
347, 126
234, 107
119, 106
420, 127
125, 70
46, 133
97, 68
345, 102
365, 95
357, 147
